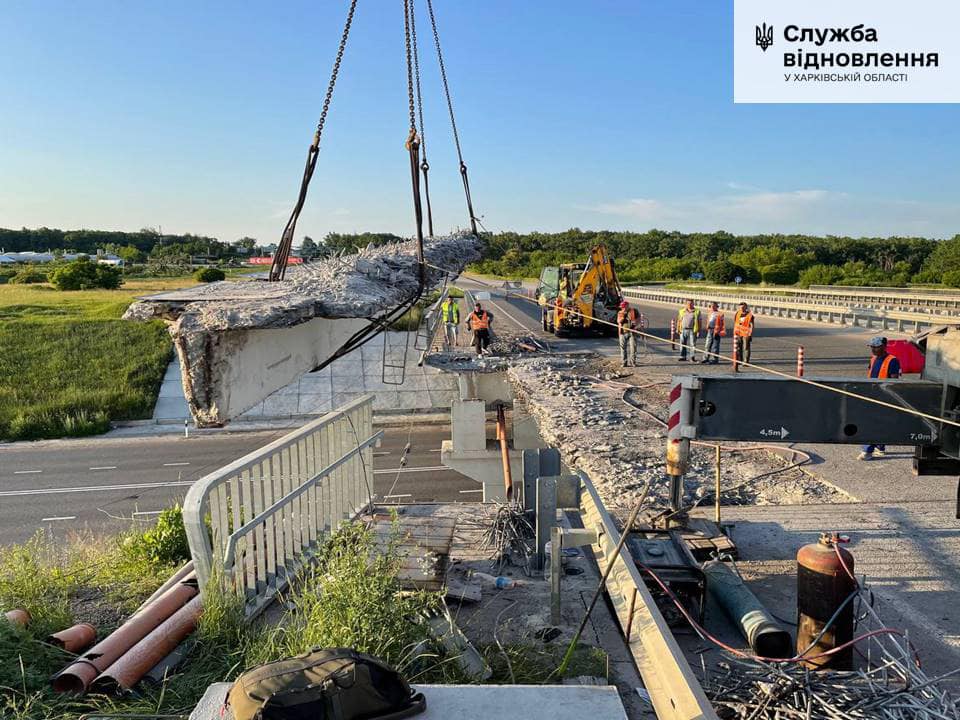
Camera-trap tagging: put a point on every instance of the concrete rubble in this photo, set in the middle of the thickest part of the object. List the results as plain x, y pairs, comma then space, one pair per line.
579, 409
240, 341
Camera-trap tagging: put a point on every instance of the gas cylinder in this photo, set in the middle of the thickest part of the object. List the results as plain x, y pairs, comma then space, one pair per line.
823, 584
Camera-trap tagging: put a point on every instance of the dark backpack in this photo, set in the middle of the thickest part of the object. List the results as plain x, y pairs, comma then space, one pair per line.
331, 684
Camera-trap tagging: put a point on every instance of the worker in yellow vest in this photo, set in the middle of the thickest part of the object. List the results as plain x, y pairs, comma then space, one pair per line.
688, 326
450, 317
479, 323
743, 323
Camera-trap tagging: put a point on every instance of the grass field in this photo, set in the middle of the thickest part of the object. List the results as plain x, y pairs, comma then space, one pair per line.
69, 365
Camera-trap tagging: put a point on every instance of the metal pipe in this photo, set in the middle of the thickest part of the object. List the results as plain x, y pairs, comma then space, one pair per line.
170, 582
75, 638
765, 636
716, 489
127, 670
76, 678
504, 450
18, 616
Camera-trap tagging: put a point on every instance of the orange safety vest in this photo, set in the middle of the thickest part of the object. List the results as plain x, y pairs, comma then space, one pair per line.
479, 322
719, 326
743, 324
884, 369
628, 314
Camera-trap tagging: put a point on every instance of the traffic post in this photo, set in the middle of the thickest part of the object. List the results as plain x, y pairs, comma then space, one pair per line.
673, 334
800, 361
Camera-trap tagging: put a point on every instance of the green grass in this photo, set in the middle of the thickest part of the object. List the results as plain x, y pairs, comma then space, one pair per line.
69, 365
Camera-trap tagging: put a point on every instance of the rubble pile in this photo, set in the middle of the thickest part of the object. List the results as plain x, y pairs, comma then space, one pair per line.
579, 409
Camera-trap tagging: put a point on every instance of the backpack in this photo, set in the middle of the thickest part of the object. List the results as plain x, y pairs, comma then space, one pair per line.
324, 684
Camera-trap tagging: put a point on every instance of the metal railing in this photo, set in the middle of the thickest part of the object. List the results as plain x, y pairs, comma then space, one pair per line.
263, 516
901, 321
901, 299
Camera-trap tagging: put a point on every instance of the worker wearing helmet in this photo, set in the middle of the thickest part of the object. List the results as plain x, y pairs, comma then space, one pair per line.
627, 321
479, 322
450, 314
882, 365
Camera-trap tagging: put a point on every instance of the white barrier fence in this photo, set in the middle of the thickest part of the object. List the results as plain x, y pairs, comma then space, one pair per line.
945, 302
264, 515
901, 321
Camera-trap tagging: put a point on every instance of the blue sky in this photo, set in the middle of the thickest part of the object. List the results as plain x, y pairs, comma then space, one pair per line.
195, 116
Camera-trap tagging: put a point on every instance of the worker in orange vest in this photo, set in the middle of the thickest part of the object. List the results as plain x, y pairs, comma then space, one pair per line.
882, 365
743, 332
479, 322
627, 321
716, 329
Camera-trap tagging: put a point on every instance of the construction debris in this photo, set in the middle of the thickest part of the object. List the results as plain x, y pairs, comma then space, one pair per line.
229, 364
579, 409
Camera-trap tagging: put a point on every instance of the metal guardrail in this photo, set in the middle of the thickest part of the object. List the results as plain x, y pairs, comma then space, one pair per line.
901, 321
861, 297
264, 515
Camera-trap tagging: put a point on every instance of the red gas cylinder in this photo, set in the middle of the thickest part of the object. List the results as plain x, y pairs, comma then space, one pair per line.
824, 582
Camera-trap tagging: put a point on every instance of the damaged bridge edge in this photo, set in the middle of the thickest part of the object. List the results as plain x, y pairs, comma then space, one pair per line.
674, 690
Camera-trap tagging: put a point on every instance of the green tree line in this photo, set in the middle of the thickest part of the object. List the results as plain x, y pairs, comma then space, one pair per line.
722, 256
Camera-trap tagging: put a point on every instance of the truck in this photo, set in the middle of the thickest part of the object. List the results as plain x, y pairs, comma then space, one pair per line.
574, 296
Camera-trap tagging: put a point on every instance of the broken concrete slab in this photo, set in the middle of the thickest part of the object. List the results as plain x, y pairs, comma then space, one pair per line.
238, 342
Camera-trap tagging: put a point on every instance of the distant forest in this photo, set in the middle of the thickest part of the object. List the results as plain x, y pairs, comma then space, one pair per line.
721, 257
654, 255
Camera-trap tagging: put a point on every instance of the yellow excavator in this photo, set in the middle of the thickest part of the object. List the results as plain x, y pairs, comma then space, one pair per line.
573, 296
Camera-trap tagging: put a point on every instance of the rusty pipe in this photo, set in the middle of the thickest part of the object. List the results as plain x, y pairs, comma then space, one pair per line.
504, 450
18, 616
76, 678
170, 582
138, 660
74, 639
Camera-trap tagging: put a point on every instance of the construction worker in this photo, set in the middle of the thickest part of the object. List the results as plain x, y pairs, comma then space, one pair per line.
882, 365
743, 333
450, 315
479, 322
627, 321
688, 325
716, 329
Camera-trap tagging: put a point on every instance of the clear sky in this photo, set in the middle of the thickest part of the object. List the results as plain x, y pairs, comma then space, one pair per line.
608, 114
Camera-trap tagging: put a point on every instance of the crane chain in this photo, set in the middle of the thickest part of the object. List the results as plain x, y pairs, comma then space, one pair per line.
424, 165
453, 120
278, 267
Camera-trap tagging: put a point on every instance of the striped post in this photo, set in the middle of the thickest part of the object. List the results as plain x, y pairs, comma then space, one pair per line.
673, 333
678, 447
736, 355
800, 361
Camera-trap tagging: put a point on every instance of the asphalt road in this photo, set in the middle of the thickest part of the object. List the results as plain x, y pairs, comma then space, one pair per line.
103, 484
828, 349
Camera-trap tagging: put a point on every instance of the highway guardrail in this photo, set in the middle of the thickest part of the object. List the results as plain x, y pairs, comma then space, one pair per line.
900, 321
263, 516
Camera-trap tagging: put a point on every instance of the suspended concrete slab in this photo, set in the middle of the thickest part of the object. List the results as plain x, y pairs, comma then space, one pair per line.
238, 342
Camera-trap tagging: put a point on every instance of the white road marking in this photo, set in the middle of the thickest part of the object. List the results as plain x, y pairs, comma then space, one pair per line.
62, 517
382, 452
435, 450
464, 492
515, 321
175, 464
26, 472
105, 467
395, 496
394, 471
147, 512
93, 488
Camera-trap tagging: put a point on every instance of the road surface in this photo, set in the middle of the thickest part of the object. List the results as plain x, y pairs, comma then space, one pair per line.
101, 484
828, 349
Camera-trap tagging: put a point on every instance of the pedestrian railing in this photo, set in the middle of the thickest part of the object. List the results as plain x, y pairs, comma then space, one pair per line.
901, 321
263, 516
427, 330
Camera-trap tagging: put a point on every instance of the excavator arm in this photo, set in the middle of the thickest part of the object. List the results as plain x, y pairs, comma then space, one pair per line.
598, 292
